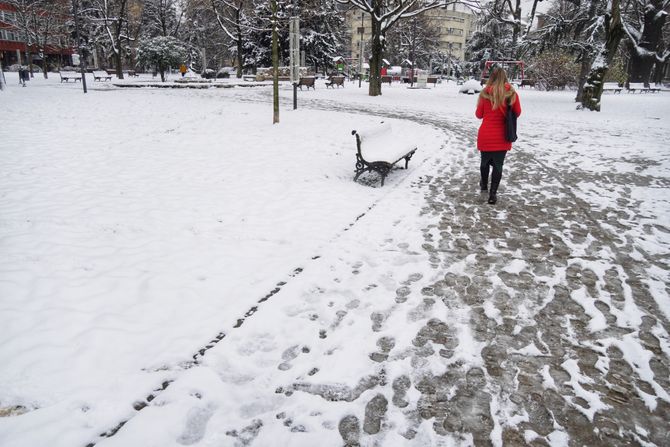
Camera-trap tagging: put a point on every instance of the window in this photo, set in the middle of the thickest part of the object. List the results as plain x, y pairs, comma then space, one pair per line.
7, 17
9, 35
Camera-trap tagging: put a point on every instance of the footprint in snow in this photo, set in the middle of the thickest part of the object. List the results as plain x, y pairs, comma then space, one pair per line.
196, 424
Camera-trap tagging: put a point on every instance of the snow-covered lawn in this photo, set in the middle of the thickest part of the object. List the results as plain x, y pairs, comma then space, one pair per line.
138, 225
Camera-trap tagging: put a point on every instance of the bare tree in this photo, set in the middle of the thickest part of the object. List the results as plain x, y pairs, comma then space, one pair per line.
24, 11
613, 31
107, 20
383, 15
416, 39
230, 15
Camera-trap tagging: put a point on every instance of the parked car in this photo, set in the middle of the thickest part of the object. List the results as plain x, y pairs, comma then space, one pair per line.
470, 87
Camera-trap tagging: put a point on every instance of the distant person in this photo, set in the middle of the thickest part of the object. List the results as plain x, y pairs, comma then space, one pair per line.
182, 70
491, 142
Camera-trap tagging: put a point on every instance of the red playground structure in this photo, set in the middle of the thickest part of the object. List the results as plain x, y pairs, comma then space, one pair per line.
514, 69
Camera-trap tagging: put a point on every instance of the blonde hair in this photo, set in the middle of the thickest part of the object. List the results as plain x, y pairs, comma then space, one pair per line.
495, 90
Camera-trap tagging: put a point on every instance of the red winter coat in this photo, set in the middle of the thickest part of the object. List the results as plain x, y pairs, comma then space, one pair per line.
491, 135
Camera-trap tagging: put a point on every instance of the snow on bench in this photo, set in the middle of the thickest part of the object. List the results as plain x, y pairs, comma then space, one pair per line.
612, 87
67, 75
377, 149
638, 86
100, 75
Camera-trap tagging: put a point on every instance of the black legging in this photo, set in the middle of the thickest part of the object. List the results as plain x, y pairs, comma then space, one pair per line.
496, 159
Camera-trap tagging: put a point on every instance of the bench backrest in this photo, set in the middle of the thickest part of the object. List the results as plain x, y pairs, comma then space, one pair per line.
637, 85
306, 81
373, 132
337, 79
378, 143
100, 73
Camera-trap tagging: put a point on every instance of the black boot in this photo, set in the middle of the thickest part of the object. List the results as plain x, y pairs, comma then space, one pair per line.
495, 181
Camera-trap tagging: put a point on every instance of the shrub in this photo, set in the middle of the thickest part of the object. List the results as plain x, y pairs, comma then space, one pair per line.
554, 70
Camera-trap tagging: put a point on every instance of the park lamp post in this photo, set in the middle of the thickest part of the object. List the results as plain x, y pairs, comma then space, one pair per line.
82, 58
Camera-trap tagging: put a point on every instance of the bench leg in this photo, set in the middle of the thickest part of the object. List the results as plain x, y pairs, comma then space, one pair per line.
408, 158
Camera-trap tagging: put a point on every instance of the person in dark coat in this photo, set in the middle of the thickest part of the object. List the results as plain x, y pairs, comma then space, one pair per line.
491, 142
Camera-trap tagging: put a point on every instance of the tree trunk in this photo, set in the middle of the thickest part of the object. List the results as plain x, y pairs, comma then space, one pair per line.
45, 65
239, 52
641, 65
2, 77
275, 66
593, 89
587, 54
119, 64
516, 28
375, 88
161, 70
659, 71
587, 61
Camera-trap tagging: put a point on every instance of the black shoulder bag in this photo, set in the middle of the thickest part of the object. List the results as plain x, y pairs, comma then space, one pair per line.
510, 123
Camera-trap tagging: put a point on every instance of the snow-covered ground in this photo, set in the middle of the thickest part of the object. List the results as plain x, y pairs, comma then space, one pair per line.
173, 262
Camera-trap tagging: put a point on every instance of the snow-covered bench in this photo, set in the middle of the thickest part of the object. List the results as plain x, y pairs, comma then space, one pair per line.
307, 82
377, 149
100, 75
335, 80
638, 87
67, 75
612, 87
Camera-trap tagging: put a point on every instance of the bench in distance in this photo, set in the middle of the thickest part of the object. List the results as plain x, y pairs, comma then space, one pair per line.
67, 75
101, 75
307, 82
612, 87
335, 80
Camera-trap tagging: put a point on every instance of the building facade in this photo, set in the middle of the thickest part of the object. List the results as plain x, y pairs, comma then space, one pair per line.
454, 26
39, 48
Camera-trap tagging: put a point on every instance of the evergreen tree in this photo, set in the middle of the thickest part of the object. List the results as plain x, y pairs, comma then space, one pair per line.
161, 52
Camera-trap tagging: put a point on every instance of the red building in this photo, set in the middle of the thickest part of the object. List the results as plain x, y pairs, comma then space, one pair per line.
53, 49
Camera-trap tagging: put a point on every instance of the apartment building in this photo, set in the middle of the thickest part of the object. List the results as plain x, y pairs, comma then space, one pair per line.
454, 26
13, 45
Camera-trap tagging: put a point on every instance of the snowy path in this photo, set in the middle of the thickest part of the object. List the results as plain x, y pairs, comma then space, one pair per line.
531, 322
420, 315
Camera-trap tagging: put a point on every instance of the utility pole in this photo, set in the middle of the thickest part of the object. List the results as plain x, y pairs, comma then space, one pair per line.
82, 57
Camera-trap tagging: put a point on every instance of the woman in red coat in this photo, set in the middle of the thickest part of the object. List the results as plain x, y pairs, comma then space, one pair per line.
491, 141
